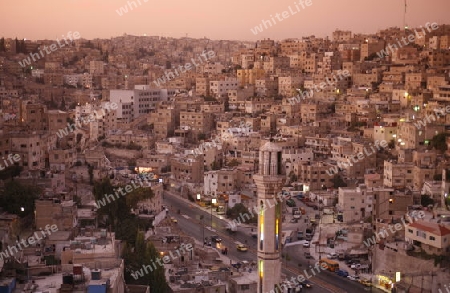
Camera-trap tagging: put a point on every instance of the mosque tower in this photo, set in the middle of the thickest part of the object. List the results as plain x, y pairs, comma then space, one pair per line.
269, 182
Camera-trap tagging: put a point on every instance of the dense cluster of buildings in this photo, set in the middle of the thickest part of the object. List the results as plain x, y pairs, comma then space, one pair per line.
225, 107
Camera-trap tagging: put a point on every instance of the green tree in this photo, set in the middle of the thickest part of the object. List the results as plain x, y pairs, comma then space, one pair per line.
2, 45
10, 172
338, 181
426, 200
18, 198
439, 142
391, 144
239, 209
137, 195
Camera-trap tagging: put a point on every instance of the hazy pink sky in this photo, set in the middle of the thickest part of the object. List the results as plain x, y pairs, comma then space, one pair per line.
231, 19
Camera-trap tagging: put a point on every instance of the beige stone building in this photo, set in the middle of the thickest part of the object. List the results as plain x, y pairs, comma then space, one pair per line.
187, 169
63, 214
249, 76
432, 237
313, 175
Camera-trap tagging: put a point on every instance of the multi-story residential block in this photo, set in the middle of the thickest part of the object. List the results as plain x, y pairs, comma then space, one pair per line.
187, 169
28, 146
433, 238
267, 87
220, 88
57, 212
287, 86
96, 67
339, 36
355, 204
313, 175
220, 181
411, 135
197, 122
369, 48
202, 86
249, 76
34, 116
320, 146
134, 103
398, 175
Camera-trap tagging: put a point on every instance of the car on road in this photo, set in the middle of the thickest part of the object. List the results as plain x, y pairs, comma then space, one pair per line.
297, 215
332, 255
306, 244
207, 242
241, 247
306, 284
290, 203
173, 220
353, 278
342, 273
355, 266
366, 283
216, 239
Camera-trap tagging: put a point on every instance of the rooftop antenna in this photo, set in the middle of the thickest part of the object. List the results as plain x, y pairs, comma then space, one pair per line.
405, 26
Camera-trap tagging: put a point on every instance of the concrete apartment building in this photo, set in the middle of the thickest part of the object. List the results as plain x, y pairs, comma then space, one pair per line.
267, 87
140, 101
321, 146
197, 122
313, 175
187, 169
288, 85
220, 181
56, 212
410, 137
220, 88
398, 175
355, 204
202, 86
34, 116
249, 76
433, 238
28, 146
339, 36
165, 120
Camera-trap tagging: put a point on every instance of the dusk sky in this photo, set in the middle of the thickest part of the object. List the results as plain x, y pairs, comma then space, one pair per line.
231, 19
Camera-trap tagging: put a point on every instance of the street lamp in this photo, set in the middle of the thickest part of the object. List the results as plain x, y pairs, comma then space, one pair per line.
213, 201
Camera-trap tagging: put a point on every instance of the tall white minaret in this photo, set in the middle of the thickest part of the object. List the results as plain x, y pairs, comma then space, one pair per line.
269, 182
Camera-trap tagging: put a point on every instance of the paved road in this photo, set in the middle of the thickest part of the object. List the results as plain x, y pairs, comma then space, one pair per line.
189, 221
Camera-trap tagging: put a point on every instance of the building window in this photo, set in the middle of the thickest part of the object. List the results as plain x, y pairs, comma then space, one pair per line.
432, 238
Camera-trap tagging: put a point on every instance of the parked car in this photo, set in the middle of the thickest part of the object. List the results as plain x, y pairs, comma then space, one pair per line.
300, 235
173, 220
342, 273
306, 244
355, 266
207, 242
290, 203
353, 277
332, 255
297, 215
366, 283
